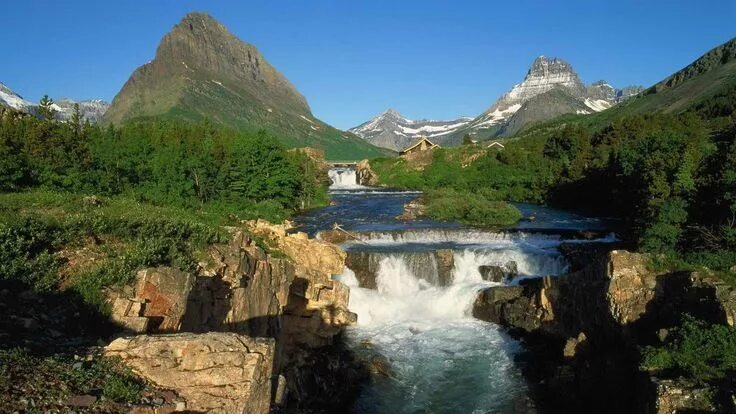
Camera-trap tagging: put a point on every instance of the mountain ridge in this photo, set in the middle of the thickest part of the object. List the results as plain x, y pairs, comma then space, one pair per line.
92, 110
203, 71
502, 118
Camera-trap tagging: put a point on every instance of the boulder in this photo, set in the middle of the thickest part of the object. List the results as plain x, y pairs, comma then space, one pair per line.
632, 285
574, 345
365, 174
492, 273
216, 372
413, 210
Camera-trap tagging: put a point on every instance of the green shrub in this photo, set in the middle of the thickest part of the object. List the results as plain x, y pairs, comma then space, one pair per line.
697, 349
470, 208
26, 252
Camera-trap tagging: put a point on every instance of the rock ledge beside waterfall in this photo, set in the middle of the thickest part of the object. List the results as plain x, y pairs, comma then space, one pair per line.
199, 329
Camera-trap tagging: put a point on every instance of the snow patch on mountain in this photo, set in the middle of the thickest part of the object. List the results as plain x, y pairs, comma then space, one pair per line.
394, 131
91, 110
13, 100
597, 104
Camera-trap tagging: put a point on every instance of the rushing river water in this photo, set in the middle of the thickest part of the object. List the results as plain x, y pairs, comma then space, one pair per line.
414, 320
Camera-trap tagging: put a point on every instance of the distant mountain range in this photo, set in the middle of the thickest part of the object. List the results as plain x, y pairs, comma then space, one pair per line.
201, 71
550, 88
91, 110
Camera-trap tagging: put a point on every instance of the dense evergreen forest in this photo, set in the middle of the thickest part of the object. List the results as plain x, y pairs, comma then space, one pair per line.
160, 162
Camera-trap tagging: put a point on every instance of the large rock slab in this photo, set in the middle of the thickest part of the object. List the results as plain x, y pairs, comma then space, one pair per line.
215, 372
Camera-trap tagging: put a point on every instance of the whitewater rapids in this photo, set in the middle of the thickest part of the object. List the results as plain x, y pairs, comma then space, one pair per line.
442, 360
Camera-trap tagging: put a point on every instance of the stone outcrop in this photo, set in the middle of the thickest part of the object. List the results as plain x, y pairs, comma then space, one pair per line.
365, 174
242, 289
214, 372
673, 396
413, 210
585, 327
434, 266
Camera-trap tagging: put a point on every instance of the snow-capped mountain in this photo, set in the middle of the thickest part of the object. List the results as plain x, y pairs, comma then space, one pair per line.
550, 88
13, 100
545, 75
391, 130
92, 110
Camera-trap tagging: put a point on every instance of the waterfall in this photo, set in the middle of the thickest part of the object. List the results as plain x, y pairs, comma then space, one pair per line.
441, 359
344, 178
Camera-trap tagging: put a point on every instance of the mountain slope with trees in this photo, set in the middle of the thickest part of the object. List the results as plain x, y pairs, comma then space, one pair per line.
202, 71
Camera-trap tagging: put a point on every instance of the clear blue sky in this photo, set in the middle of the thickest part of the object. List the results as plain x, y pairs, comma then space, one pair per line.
352, 60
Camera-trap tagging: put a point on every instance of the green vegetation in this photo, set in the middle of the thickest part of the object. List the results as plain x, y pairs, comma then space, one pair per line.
38, 229
696, 349
672, 178
51, 380
470, 208
183, 165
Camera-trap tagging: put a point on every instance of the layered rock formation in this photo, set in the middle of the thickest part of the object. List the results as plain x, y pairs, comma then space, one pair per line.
584, 328
214, 372
243, 290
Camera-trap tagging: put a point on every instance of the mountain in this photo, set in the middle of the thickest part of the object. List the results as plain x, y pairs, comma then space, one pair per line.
91, 110
9, 98
711, 74
550, 88
533, 95
393, 131
201, 70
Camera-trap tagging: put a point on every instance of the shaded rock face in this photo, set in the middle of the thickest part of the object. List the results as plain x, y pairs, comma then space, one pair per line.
243, 290
215, 372
435, 267
672, 396
585, 327
499, 274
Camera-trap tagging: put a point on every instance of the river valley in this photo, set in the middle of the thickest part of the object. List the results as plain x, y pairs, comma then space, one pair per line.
413, 284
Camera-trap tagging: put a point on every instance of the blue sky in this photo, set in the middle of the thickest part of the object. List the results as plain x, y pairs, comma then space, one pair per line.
353, 59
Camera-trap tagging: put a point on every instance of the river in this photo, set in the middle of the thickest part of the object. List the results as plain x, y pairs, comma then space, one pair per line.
413, 285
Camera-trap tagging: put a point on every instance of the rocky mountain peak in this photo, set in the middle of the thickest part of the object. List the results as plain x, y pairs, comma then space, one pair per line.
202, 70
545, 66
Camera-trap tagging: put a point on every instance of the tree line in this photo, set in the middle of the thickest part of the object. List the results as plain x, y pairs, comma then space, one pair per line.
161, 162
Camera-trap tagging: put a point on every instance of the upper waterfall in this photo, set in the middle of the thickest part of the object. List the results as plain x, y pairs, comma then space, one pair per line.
344, 178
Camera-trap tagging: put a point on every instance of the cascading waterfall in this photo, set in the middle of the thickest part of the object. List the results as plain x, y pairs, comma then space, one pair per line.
413, 288
344, 178
442, 359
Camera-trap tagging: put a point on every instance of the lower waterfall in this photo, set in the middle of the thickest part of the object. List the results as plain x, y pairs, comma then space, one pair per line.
441, 359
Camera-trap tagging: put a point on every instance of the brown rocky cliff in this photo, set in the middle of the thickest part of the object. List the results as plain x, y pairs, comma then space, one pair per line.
248, 292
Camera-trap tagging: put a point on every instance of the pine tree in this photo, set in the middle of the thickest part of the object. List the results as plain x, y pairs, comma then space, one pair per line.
76, 121
45, 108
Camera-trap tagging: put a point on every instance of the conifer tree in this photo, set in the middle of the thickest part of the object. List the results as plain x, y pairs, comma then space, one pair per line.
46, 109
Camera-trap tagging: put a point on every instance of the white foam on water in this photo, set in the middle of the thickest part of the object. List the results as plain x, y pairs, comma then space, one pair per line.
344, 179
442, 359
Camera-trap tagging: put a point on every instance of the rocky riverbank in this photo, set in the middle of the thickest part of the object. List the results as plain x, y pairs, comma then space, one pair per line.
584, 331
249, 331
